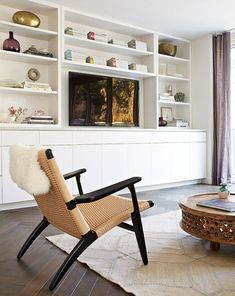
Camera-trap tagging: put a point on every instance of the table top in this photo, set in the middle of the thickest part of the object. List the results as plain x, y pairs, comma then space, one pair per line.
189, 204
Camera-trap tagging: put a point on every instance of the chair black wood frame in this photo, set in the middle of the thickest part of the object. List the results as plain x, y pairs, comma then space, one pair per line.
87, 239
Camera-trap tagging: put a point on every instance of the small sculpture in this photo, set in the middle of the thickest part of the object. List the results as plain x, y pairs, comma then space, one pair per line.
179, 97
33, 74
26, 18
33, 50
162, 122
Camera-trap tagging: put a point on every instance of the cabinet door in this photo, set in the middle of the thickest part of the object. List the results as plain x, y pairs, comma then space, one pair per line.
197, 160
139, 162
114, 163
11, 192
88, 157
180, 164
161, 163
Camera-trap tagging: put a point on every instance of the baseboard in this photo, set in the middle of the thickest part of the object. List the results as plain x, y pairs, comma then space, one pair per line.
18, 205
207, 181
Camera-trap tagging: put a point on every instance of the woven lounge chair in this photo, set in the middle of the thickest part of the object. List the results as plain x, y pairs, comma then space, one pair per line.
84, 216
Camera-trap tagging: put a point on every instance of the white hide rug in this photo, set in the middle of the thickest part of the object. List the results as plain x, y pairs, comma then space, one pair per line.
179, 264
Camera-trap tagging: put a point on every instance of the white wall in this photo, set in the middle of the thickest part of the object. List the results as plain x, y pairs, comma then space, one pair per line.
202, 92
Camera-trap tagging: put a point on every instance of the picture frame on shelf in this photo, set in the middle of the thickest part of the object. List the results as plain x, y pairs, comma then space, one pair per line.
166, 113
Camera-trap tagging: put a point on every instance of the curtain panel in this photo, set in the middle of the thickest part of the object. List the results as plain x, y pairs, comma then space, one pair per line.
221, 167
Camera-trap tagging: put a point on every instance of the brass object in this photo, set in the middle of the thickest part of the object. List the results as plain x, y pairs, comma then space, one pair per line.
26, 18
168, 49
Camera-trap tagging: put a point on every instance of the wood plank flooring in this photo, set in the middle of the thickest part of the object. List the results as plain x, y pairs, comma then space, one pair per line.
31, 275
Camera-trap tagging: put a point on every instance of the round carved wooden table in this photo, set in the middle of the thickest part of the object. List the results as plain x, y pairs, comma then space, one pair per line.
213, 225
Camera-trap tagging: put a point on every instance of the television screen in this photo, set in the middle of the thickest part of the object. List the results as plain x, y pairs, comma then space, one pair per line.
99, 100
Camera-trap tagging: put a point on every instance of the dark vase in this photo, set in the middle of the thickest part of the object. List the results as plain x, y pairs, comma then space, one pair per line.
162, 122
11, 44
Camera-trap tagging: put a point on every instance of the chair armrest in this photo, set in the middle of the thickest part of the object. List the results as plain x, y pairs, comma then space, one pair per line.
74, 174
103, 192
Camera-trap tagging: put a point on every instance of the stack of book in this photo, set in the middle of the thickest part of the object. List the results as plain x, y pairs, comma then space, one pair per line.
113, 62
138, 45
37, 86
138, 67
118, 42
39, 119
72, 55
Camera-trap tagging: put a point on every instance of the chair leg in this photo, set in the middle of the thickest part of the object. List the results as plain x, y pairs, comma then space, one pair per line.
82, 245
136, 219
41, 226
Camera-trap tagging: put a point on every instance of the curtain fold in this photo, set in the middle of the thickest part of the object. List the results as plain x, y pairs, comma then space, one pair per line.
221, 167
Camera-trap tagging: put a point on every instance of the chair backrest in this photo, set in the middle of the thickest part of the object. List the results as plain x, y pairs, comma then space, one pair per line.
53, 203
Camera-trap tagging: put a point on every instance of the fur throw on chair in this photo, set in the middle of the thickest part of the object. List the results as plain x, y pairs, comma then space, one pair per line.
25, 170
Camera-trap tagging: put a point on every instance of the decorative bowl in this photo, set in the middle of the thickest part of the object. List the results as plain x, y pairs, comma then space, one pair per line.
26, 18
168, 49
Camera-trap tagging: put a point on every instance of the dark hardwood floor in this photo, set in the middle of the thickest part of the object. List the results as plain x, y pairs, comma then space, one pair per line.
31, 275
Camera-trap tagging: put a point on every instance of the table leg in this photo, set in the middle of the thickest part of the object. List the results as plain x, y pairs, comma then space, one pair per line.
215, 246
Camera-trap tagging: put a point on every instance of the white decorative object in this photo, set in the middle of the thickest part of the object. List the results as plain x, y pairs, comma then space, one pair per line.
25, 170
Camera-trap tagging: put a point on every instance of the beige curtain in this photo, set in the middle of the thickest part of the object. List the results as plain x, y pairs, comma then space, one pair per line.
221, 169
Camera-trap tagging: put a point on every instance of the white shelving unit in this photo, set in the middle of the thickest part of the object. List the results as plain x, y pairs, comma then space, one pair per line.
103, 50
14, 65
169, 71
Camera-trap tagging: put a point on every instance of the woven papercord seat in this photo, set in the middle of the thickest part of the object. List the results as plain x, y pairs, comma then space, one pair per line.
84, 216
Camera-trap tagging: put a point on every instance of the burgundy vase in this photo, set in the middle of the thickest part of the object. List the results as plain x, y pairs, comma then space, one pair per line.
11, 44
162, 122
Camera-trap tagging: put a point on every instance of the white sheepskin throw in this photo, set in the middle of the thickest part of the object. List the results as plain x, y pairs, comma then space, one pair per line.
25, 170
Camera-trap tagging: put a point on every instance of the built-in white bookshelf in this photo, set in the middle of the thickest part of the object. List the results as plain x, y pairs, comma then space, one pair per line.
174, 73
101, 51
15, 65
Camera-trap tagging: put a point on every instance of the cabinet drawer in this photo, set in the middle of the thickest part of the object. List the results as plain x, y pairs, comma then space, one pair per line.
198, 137
170, 137
87, 137
125, 137
56, 138
23, 137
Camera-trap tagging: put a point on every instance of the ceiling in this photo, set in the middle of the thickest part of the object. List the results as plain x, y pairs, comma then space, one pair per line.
183, 18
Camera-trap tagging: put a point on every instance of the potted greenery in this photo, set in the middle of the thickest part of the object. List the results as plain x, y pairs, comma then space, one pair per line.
223, 191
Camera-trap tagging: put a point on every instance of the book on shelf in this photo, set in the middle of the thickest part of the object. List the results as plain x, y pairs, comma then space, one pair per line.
39, 119
218, 204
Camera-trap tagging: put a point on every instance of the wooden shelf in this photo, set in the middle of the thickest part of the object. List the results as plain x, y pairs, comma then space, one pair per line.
98, 45
26, 91
26, 58
27, 31
105, 69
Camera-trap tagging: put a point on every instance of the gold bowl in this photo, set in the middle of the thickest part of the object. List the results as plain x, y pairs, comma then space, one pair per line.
168, 49
26, 18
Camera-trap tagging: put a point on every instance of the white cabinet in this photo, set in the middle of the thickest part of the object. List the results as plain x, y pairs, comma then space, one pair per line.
114, 164
90, 158
139, 162
197, 160
11, 192
161, 163
180, 162
15, 65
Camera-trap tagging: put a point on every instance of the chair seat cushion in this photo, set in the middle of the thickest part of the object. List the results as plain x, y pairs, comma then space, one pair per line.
106, 213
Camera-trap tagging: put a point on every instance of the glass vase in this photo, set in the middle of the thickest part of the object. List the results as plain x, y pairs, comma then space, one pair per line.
11, 44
